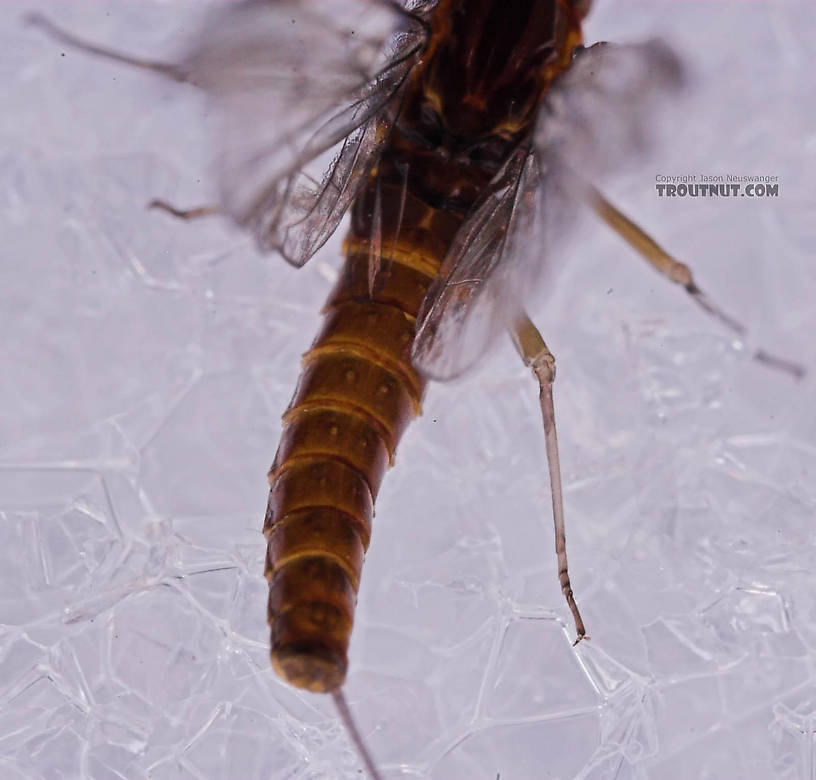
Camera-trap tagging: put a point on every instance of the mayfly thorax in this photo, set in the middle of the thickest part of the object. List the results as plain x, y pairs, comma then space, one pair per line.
462, 136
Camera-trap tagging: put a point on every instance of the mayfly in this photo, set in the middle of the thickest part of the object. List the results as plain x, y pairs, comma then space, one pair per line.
462, 136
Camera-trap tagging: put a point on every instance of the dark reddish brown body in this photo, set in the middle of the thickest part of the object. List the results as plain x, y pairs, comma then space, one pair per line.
356, 396
459, 120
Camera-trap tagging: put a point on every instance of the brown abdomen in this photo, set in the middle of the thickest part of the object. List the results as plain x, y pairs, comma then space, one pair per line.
356, 395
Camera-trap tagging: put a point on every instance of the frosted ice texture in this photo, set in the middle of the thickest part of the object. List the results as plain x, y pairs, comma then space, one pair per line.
145, 364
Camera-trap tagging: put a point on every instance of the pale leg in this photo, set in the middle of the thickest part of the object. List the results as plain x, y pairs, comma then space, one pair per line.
194, 213
167, 69
681, 274
535, 354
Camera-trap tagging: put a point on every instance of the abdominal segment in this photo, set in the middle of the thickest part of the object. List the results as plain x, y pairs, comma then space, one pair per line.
356, 395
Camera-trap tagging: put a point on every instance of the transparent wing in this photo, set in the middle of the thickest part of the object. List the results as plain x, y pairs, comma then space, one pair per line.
297, 215
495, 261
291, 80
594, 119
598, 115
466, 306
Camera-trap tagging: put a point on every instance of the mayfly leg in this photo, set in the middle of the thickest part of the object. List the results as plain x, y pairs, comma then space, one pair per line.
538, 357
168, 69
195, 213
680, 273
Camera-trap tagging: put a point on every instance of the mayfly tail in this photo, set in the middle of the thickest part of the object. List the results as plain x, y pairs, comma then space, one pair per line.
354, 733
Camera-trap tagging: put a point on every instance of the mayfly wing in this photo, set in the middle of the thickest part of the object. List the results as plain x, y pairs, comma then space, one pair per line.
295, 210
593, 120
291, 81
479, 286
600, 113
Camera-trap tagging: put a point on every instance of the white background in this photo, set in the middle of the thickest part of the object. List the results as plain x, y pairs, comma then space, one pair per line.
145, 364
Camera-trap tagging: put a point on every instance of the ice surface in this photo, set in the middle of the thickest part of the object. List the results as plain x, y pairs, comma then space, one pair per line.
145, 364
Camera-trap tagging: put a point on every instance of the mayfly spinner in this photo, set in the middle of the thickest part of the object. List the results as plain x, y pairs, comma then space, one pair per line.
462, 136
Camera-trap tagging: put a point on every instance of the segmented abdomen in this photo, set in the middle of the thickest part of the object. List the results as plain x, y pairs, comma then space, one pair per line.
356, 395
